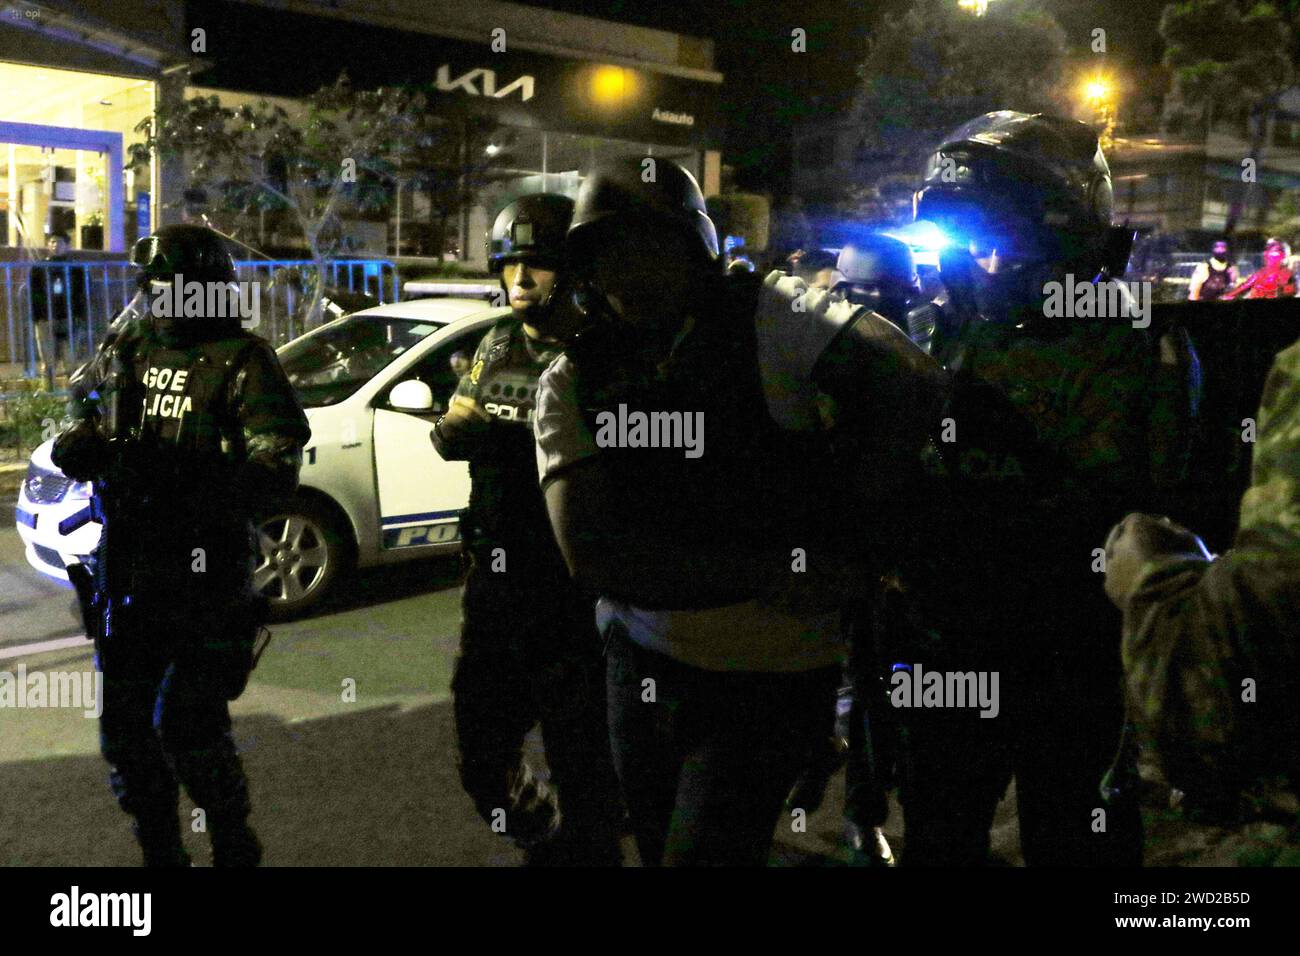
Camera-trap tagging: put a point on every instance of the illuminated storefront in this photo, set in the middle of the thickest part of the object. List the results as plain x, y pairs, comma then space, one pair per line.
564, 91
64, 139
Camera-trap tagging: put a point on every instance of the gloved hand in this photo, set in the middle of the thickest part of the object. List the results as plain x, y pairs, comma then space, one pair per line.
1140, 539
465, 418
80, 452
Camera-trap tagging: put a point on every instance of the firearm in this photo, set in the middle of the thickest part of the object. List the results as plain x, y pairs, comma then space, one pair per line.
106, 400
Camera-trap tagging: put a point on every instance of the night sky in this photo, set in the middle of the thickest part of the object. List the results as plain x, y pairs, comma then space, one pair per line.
762, 107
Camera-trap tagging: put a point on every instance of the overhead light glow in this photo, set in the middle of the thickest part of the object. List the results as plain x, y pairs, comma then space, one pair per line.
1097, 91
611, 85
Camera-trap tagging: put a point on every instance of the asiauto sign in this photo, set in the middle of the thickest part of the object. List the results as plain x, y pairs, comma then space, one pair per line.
668, 116
486, 81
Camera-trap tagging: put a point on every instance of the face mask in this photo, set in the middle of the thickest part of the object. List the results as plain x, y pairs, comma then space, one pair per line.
1011, 295
890, 303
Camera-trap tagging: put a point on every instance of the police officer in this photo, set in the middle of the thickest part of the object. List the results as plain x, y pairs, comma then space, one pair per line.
1210, 643
187, 426
529, 650
878, 271
1054, 425
722, 556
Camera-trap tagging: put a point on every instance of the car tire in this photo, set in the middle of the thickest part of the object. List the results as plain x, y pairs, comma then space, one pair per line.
301, 552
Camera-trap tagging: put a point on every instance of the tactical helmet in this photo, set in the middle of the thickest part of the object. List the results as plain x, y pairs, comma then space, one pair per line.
878, 272
531, 228
874, 260
1036, 185
632, 191
196, 252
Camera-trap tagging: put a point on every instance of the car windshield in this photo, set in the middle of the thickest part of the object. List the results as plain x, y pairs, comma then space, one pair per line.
328, 366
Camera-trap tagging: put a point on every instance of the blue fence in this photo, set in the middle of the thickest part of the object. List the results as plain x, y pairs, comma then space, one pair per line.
79, 299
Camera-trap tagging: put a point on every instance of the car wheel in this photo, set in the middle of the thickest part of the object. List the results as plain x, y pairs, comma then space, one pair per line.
300, 554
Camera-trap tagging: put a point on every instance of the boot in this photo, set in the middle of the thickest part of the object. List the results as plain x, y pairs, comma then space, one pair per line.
235, 844
868, 846
160, 841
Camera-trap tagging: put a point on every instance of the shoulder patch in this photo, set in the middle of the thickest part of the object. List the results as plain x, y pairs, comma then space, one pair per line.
496, 345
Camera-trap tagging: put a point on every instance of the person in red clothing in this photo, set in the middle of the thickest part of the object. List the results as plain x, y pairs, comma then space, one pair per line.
1274, 281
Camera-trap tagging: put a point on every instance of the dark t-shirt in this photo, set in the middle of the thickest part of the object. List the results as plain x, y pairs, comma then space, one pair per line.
56, 291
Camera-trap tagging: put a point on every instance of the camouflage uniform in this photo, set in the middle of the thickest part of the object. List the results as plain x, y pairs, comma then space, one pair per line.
1059, 428
1201, 639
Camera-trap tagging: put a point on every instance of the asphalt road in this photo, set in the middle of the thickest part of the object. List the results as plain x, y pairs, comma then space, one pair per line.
370, 782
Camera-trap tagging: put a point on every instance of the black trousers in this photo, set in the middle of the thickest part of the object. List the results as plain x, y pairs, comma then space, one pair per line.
707, 764
168, 678
1056, 733
530, 654
865, 718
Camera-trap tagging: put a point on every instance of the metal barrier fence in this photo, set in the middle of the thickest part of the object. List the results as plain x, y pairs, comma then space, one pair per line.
79, 299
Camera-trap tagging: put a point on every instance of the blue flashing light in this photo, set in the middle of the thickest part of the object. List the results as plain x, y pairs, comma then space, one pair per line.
922, 236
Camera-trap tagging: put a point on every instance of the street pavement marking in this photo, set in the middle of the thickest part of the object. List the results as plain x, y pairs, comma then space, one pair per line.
23, 650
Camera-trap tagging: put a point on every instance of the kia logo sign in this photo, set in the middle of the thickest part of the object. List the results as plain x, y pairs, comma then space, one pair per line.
487, 83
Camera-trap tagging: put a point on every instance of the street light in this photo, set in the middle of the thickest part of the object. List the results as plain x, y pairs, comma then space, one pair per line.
977, 7
1099, 94
1097, 91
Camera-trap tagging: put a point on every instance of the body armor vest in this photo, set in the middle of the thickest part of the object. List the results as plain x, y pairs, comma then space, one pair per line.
750, 483
506, 506
176, 533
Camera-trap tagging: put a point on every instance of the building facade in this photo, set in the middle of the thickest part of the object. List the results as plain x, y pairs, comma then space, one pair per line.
562, 91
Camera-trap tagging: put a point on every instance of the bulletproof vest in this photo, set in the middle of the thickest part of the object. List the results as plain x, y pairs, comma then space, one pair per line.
184, 403
506, 504
1216, 283
751, 483
1041, 462
996, 446
175, 506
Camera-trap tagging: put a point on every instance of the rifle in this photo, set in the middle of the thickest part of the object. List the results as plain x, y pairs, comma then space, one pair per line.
119, 396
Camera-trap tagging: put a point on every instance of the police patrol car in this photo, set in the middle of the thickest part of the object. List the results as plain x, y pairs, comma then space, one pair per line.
372, 490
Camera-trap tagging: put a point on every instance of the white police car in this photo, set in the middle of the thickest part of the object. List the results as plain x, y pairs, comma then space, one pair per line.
372, 490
